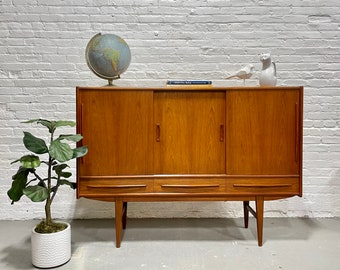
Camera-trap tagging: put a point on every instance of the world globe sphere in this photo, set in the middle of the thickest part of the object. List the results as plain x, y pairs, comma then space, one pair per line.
108, 56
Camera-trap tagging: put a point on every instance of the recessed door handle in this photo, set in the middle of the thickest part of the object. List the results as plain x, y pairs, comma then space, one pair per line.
158, 132
221, 133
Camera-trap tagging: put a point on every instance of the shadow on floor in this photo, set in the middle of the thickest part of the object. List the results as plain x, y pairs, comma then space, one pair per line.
194, 229
17, 256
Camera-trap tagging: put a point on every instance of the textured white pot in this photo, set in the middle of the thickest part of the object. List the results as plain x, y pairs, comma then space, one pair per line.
51, 249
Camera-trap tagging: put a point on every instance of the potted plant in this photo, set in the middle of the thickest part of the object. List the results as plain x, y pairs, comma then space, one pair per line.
43, 185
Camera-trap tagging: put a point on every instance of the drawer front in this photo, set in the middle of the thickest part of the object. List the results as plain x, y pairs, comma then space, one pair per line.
98, 186
263, 186
189, 186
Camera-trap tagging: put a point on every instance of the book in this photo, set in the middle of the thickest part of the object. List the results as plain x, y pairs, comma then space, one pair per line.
188, 82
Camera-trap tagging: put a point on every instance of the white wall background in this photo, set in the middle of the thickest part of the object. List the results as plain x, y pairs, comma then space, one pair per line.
42, 46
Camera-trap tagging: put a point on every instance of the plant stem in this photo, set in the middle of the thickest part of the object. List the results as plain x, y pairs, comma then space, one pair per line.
48, 200
49, 187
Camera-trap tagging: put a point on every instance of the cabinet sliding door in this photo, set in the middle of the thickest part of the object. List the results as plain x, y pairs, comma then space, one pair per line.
189, 132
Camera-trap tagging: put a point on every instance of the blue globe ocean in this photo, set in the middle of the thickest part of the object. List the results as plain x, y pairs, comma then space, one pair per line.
108, 56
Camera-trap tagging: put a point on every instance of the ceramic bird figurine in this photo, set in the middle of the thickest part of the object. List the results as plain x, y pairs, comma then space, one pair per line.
268, 72
244, 73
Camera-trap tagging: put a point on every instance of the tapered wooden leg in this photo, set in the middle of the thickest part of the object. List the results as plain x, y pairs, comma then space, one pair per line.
124, 214
119, 223
259, 218
246, 213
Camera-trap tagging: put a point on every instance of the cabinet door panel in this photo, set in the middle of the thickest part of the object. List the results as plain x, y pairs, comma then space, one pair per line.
117, 127
263, 132
189, 132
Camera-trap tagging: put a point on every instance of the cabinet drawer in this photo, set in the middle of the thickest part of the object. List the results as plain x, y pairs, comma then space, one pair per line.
92, 186
272, 186
189, 186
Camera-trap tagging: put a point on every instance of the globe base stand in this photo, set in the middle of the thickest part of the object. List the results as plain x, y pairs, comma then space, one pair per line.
111, 80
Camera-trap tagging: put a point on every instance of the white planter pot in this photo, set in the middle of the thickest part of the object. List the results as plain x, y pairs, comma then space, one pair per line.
51, 249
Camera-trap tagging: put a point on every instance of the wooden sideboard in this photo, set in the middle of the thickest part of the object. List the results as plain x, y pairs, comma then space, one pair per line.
190, 143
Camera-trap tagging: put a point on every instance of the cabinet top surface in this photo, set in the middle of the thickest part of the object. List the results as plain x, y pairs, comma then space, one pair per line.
188, 88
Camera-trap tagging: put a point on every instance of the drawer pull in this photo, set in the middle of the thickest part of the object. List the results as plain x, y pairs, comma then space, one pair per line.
190, 186
116, 186
262, 186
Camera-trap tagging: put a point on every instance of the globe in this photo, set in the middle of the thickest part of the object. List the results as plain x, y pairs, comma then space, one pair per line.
108, 56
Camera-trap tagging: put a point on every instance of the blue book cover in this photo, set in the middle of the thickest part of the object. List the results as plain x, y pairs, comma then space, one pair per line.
188, 82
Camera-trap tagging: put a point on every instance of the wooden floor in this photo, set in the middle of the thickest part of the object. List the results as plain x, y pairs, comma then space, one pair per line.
190, 244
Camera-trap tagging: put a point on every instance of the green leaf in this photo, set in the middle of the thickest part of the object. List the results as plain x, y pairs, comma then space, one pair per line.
29, 161
43, 122
63, 123
30, 121
52, 125
68, 183
72, 137
36, 193
80, 152
66, 174
61, 151
39, 121
34, 144
59, 170
18, 184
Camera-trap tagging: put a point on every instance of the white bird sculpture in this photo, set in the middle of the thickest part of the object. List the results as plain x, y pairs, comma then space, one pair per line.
244, 73
268, 72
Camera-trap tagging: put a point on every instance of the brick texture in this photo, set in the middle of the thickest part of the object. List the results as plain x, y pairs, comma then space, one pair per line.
42, 47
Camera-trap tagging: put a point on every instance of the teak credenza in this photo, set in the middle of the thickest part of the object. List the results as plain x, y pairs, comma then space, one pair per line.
190, 143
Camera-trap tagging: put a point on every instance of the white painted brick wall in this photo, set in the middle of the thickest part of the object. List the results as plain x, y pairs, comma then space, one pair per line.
42, 45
